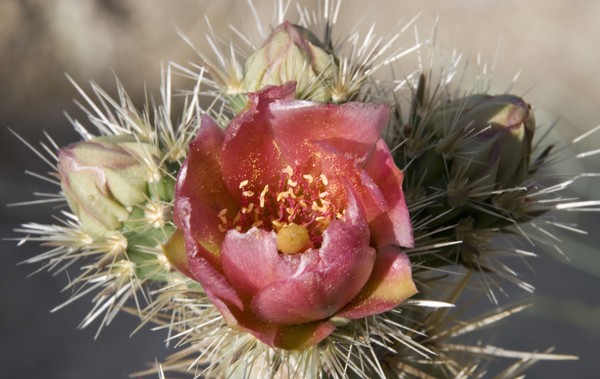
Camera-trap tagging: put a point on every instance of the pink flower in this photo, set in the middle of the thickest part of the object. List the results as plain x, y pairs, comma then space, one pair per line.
292, 216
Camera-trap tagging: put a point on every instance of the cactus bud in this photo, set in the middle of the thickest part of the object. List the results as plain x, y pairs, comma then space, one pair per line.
489, 139
102, 179
292, 53
473, 147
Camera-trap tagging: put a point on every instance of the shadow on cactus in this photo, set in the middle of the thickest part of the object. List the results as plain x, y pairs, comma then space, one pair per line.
470, 173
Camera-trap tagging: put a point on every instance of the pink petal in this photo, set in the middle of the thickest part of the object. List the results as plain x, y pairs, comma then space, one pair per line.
201, 193
249, 150
352, 128
343, 170
345, 265
389, 285
213, 282
200, 196
296, 301
250, 260
275, 335
392, 227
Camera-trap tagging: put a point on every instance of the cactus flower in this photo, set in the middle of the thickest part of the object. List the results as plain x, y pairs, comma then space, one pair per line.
293, 218
102, 178
292, 53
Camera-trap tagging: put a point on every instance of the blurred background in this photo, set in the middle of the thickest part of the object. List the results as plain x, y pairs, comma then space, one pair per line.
555, 45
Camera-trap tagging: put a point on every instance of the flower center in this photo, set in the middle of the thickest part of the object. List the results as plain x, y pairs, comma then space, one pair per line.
298, 210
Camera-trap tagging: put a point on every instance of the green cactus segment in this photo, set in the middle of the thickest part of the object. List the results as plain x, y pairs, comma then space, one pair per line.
163, 189
468, 163
146, 234
476, 147
147, 267
238, 102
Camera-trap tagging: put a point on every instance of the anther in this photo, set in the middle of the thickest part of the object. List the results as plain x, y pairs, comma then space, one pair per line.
288, 170
309, 178
324, 179
262, 196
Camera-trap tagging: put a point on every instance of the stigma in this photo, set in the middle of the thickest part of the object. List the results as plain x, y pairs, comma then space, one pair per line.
293, 239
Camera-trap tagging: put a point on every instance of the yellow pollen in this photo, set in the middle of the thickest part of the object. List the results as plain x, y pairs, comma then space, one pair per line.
222, 216
292, 239
324, 179
262, 196
288, 170
298, 210
309, 178
282, 195
276, 225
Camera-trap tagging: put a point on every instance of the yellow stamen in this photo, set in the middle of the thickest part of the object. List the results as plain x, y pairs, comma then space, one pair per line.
324, 179
276, 225
288, 170
298, 210
262, 196
308, 178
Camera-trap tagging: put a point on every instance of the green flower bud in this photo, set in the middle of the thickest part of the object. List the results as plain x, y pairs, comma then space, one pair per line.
468, 172
498, 147
486, 144
292, 53
472, 148
102, 179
